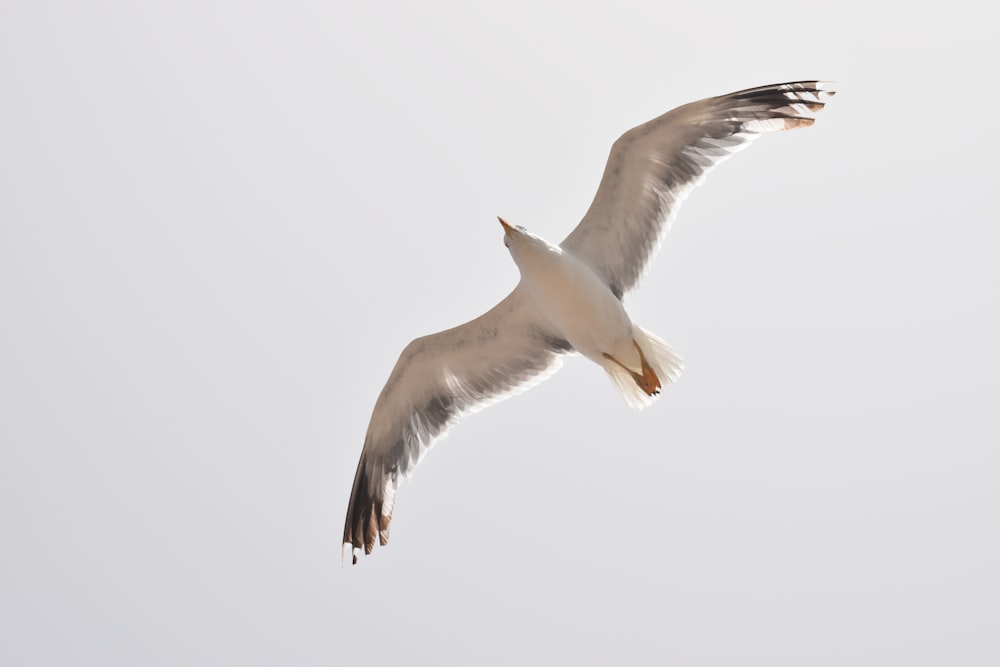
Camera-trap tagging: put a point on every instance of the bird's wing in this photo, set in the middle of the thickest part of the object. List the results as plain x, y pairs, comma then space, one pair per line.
437, 379
654, 166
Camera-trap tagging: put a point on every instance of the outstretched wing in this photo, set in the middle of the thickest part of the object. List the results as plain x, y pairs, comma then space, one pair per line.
654, 166
437, 379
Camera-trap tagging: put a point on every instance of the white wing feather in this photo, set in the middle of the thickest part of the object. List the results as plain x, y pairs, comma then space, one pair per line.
437, 379
654, 166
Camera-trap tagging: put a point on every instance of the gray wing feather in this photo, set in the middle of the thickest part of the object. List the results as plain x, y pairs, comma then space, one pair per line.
654, 166
437, 379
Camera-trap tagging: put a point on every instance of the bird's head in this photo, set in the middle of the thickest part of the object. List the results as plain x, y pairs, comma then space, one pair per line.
511, 234
518, 239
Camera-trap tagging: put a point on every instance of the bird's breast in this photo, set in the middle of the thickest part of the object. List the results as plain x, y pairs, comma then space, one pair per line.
577, 303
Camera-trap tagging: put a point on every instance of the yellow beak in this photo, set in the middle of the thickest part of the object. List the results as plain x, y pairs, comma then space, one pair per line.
507, 228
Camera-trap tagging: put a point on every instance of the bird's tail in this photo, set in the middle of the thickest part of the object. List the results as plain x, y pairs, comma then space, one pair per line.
661, 365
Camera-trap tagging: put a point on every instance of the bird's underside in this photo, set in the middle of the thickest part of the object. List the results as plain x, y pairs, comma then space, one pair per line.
440, 377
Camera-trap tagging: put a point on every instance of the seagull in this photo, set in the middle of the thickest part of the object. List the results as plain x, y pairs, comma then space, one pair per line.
569, 297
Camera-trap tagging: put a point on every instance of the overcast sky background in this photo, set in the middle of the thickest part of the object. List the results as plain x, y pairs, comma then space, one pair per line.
220, 222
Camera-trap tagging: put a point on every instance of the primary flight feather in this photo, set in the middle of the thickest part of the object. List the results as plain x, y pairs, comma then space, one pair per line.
569, 297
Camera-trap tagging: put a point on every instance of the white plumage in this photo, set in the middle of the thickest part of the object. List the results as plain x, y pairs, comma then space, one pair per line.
569, 297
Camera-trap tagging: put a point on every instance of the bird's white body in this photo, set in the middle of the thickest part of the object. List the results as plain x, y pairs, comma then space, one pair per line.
574, 300
579, 306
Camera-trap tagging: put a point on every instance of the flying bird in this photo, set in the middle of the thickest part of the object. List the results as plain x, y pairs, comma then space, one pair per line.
569, 297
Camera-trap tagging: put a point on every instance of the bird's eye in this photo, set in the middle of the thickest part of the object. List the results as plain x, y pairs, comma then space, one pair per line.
506, 242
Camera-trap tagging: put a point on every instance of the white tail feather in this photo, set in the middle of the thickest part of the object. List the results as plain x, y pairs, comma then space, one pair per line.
665, 360
666, 363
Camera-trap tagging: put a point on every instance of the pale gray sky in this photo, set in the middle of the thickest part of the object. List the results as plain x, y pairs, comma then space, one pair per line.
220, 222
